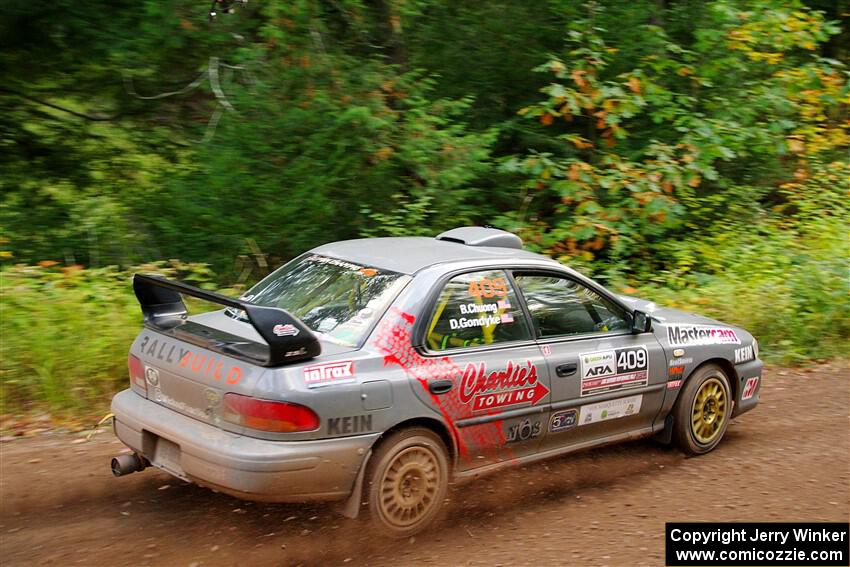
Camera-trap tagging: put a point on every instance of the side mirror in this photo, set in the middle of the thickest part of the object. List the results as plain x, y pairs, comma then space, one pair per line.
641, 322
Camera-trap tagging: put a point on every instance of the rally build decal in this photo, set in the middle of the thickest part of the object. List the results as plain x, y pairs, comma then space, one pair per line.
331, 373
686, 335
617, 369
203, 365
612, 409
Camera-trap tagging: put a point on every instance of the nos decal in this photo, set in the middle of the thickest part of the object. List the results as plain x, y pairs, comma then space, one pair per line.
616, 369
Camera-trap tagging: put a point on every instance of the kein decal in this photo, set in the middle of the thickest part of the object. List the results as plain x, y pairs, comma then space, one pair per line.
744, 354
349, 424
608, 370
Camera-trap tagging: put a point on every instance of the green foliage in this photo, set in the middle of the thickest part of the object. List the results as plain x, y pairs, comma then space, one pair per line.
66, 332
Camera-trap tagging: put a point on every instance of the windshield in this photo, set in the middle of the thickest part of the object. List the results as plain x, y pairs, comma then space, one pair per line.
338, 300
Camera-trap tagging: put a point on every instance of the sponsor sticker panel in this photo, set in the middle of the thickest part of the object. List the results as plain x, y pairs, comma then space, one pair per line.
616, 369
611, 409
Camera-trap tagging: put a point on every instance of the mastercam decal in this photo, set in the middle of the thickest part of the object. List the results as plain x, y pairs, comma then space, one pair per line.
612, 409
616, 369
686, 335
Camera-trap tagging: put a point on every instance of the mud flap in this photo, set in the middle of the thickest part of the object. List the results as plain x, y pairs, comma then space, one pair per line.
665, 436
351, 508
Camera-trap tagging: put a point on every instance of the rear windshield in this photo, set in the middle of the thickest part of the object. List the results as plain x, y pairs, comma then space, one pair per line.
338, 300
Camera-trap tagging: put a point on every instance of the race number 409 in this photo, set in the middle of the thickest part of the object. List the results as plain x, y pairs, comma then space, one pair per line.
631, 360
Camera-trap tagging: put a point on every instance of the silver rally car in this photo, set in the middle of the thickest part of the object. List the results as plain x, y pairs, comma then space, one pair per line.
378, 371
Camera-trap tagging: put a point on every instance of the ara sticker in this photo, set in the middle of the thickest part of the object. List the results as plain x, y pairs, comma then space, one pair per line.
612, 409
617, 369
673, 384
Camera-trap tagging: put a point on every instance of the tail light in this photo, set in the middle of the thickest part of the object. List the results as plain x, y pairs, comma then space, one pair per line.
266, 415
137, 372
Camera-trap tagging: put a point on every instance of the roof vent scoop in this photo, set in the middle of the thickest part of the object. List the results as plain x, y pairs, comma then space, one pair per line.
481, 236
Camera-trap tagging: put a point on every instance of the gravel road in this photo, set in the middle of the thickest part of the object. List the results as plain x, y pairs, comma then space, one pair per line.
787, 460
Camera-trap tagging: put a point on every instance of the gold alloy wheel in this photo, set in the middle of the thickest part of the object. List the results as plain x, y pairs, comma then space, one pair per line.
409, 486
708, 412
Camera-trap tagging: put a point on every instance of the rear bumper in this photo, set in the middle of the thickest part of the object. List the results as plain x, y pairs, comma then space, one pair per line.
246, 467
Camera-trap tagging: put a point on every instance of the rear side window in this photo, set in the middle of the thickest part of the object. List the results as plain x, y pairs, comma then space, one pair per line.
475, 309
561, 306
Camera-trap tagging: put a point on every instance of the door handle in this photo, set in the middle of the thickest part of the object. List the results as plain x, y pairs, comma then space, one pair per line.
566, 369
440, 386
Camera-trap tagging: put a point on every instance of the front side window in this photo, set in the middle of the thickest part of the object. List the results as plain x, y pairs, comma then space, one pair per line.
338, 300
475, 309
561, 306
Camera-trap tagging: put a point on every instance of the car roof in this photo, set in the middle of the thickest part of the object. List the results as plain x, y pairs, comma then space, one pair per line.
408, 254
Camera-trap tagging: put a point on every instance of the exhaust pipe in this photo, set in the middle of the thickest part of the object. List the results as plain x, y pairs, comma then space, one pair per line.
126, 464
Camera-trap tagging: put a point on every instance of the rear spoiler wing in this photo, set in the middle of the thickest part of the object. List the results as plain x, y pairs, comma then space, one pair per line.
288, 338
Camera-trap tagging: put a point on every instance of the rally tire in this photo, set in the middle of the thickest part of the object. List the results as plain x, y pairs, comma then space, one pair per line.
702, 411
406, 482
